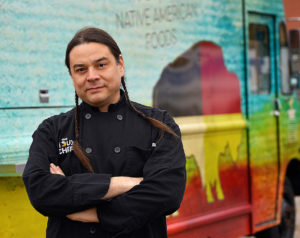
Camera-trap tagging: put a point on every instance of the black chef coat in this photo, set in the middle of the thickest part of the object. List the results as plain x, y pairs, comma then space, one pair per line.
118, 143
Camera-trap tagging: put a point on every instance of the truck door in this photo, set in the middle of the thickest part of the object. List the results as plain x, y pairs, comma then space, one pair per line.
262, 118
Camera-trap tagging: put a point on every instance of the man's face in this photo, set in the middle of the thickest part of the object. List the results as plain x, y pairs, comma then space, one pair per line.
96, 75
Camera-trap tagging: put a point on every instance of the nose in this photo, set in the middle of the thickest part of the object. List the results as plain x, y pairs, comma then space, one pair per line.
92, 74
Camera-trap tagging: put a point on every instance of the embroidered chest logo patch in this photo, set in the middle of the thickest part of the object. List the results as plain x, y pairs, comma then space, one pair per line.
65, 146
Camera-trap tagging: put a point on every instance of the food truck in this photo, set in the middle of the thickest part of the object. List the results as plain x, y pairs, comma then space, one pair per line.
222, 69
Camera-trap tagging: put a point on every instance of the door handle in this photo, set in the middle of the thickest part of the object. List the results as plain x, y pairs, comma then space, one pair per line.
277, 107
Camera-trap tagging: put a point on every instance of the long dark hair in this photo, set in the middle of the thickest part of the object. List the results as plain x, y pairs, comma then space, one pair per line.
91, 34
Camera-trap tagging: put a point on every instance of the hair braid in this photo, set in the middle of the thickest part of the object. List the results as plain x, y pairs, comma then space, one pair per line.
76, 146
160, 125
76, 118
91, 34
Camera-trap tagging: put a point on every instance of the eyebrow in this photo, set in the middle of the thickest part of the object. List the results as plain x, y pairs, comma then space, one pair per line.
100, 59
95, 61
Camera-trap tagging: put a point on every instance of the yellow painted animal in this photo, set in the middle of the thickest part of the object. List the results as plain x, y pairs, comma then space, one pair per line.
208, 139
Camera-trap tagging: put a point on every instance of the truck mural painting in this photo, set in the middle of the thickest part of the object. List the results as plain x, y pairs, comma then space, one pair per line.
222, 68
198, 83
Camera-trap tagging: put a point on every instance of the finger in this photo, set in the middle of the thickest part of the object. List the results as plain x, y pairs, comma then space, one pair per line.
59, 170
53, 167
56, 169
70, 216
51, 170
73, 216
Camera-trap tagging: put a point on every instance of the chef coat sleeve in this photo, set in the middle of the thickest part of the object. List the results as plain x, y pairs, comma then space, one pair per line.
57, 195
159, 194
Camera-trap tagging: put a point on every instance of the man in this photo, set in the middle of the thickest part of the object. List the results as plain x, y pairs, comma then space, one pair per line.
109, 167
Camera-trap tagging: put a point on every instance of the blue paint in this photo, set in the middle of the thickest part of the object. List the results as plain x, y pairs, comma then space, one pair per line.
34, 35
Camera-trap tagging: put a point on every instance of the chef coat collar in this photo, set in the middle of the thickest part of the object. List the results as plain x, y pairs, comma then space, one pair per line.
111, 107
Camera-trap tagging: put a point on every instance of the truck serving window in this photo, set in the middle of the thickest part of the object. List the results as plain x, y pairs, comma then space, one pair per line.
259, 58
284, 60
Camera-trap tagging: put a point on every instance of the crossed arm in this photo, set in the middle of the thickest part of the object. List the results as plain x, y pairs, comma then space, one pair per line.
118, 186
85, 197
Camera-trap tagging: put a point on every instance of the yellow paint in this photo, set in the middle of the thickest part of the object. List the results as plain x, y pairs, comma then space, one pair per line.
208, 139
174, 214
18, 219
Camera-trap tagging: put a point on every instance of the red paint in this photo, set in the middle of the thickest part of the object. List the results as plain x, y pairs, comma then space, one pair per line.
264, 197
291, 9
195, 213
220, 88
208, 219
197, 82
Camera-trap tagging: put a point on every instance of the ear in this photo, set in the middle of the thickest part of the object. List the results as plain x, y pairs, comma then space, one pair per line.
121, 65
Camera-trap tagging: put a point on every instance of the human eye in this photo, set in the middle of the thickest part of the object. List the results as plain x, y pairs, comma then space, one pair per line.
80, 70
101, 65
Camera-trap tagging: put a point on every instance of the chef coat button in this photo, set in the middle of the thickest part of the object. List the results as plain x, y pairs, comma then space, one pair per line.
88, 150
119, 117
117, 149
88, 116
92, 230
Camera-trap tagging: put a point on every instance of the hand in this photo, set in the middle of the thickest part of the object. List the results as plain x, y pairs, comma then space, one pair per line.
89, 215
56, 169
120, 185
132, 181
